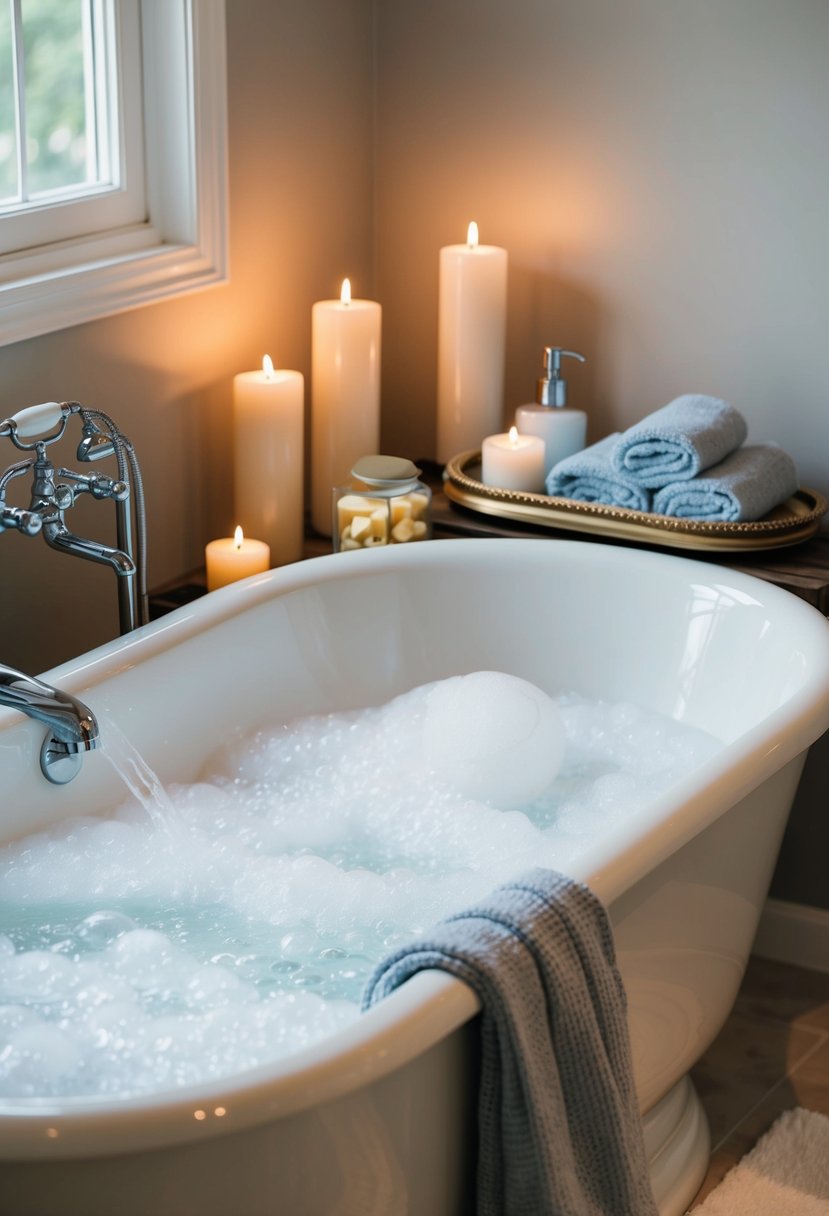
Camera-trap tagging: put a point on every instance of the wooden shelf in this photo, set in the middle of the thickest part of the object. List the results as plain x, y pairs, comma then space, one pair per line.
801, 569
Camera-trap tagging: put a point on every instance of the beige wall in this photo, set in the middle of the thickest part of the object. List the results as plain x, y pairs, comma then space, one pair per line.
659, 172
300, 95
657, 169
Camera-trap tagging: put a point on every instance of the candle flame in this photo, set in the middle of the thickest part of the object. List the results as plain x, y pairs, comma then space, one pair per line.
238, 537
345, 292
267, 367
513, 436
472, 235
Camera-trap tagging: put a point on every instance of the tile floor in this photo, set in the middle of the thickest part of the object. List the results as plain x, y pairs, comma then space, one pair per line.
772, 1055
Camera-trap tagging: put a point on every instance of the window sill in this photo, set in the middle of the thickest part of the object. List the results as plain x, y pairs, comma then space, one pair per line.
143, 273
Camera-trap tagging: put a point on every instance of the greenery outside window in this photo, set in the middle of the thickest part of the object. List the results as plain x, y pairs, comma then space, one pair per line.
112, 157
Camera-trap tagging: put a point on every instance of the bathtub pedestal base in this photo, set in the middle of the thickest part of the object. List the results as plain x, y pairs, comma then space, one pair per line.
678, 1145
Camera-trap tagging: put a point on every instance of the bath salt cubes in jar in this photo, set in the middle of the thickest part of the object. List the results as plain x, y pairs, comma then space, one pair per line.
384, 504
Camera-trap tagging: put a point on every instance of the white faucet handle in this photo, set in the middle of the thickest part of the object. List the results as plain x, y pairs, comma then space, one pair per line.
36, 419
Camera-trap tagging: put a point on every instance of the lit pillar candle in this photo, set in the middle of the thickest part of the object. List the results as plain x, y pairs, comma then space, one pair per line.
268, 408
513, 462
472, 314
345, 394
234, 557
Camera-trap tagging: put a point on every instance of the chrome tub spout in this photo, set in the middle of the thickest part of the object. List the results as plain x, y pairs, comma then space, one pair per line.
72, 728
59, 537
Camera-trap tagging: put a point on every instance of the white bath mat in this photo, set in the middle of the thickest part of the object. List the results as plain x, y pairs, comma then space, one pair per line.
785, 1174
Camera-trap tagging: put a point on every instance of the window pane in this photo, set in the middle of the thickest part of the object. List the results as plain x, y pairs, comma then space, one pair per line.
8, 140
56, 94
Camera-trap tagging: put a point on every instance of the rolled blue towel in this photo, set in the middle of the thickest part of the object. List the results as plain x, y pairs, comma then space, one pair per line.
679, 441
744, 486
588, 476
559, 1129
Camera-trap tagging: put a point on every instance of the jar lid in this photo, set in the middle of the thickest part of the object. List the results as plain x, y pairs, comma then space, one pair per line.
385, 470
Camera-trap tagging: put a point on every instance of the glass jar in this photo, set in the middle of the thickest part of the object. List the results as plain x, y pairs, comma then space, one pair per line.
383, 504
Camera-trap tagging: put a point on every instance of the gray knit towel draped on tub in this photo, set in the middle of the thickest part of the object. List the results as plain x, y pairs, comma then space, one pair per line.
558, 1120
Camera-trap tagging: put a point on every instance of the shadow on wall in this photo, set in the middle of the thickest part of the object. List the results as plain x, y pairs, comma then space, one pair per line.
53, 606
546, 310
206, 474
543, 309
800, 876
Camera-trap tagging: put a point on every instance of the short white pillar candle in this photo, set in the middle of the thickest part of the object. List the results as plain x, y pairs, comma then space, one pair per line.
234, 557
513, 462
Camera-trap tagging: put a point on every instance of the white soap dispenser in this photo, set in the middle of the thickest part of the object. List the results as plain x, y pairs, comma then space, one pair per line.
563, 429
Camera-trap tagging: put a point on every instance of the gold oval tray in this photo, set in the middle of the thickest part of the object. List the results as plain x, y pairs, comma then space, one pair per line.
793, 521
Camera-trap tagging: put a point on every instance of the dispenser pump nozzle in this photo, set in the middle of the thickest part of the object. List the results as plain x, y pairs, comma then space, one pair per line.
552, 389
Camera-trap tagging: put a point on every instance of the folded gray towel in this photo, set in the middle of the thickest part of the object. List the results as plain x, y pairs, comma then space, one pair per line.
558, 1120
744, 486
588, 476
679, 441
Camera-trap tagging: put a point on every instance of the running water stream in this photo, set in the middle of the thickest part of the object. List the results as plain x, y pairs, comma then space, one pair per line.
136, 774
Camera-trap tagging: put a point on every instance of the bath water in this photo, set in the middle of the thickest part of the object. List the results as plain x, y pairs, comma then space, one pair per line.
211, 928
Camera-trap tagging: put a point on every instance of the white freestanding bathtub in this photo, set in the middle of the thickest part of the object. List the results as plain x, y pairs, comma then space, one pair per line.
379, 1120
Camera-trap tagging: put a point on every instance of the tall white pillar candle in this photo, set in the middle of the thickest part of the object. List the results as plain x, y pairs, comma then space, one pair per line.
472, 312
345, 395
268, 407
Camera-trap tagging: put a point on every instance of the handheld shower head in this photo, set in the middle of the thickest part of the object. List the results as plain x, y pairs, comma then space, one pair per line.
94, 445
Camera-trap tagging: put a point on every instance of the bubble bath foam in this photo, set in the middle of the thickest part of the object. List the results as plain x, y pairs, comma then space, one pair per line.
240, 924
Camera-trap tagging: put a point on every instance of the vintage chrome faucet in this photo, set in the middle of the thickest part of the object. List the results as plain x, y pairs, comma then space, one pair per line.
72, 726
50, 498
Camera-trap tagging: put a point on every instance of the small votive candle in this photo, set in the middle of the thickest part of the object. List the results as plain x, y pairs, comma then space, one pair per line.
513, 462
234, 557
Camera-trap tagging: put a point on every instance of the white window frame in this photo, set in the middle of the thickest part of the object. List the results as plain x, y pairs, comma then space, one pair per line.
182, 245
73, 212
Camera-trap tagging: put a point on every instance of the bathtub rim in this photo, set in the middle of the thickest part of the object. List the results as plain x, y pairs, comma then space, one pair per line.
208, 611
432, 1005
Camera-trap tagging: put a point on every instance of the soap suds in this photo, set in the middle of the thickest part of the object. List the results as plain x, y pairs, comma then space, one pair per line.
140, 955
